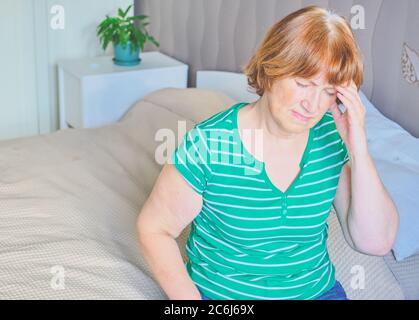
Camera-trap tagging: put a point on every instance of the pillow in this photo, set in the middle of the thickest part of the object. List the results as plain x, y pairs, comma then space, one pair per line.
192, 104
396, 156
230, 83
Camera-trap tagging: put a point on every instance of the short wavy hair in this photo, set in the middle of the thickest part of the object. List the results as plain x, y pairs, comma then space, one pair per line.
301, 45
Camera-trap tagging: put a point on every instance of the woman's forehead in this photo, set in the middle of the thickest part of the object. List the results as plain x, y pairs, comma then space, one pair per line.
318, 80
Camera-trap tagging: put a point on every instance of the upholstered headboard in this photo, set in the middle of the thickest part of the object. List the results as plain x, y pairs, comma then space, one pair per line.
223, 35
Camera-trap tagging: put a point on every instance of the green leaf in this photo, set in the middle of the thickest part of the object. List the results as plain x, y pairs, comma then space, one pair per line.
126, 11
153, 41
106, 43
103, 26
140, 17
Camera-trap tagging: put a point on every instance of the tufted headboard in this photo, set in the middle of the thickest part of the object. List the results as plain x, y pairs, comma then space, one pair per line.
223, 35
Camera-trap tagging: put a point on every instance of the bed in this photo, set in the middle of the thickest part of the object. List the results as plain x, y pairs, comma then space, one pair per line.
69, 201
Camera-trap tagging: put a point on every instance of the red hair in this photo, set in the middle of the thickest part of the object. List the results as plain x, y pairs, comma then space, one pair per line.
303, 44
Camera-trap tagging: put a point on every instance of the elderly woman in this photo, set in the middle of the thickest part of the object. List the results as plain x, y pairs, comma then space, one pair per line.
258, 180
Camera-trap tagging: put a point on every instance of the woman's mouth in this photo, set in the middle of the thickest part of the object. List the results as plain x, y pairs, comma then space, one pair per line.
300, 117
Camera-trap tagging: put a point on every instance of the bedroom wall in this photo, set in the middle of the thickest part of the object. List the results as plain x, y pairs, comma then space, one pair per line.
396, 75
33, 38
77, 40
222, 35
18, 107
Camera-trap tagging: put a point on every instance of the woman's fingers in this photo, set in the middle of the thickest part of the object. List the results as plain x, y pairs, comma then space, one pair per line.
336, 111
347, 102
354, 106
351, 96
347, 92
351, 90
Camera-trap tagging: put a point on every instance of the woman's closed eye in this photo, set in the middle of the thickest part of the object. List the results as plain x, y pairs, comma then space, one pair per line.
329, 92
301, 84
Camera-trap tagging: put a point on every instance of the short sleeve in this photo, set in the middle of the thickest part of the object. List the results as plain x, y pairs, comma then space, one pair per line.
191, 159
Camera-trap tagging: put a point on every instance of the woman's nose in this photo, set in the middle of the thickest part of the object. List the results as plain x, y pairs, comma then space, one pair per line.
311, 102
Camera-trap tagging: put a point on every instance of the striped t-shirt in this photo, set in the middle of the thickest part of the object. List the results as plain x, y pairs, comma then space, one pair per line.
250, 239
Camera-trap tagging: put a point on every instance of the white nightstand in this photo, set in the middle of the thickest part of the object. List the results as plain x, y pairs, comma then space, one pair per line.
94, 91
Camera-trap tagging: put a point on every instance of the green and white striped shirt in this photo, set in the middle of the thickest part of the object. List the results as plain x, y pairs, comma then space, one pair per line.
251, 240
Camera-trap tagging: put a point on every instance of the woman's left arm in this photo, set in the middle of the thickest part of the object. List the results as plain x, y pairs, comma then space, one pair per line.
362, 199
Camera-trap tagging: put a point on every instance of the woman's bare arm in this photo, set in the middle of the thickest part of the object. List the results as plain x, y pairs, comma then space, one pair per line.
170, 208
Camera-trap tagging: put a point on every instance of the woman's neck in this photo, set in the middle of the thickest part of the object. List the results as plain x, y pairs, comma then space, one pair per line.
260, 117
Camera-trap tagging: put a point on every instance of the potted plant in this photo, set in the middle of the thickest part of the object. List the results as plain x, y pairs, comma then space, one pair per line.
127, 37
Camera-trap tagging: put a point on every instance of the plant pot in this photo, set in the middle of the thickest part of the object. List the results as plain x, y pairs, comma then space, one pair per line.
124, 56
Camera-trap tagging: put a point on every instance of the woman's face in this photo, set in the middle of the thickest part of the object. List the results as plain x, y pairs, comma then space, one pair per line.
297, 104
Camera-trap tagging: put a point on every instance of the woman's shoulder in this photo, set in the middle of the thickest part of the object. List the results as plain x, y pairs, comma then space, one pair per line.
223, 120
326, 132
326, 125
218, 127
327, 137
